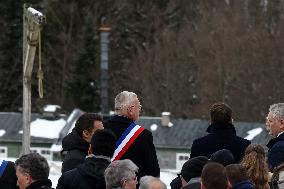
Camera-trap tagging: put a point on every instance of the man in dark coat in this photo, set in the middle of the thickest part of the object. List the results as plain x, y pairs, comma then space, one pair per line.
76, 144
142, 151
90, 174
8, 178
32, 171
275, 125
222, 135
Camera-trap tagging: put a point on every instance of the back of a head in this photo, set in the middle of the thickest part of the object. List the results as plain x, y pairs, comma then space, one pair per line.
119, 171
192, 168
214, 176
224, 157
150, 182
86, 122
103, 143
34, 164
124, 99
254, 161
220, 113
236, 173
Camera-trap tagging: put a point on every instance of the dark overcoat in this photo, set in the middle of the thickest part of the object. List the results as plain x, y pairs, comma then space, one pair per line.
276, 151
75, 150
89, 175
220, 137
142, 152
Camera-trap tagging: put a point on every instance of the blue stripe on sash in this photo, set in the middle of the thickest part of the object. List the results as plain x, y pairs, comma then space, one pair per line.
124, 134
2, 167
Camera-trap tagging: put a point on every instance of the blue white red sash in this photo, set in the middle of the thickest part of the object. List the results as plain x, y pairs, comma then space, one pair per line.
126, 140
2, 167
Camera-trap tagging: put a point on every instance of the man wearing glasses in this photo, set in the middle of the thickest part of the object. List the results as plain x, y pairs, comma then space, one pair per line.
134, 142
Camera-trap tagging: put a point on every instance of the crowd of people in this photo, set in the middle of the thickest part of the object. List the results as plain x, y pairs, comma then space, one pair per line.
119, 154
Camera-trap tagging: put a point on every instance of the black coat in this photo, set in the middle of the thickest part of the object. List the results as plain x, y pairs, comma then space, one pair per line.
40, 184
76, 150
89, 175
8, 179
220, 137
275, 151
142, 152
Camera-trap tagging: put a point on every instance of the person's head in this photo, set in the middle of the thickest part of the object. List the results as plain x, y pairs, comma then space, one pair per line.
220, 113
214, 176
29, 168
121, 173
275, 119
128, 104
224, 156
103, 143
192, 168
150, 182
236, 173
87, 124
254, 161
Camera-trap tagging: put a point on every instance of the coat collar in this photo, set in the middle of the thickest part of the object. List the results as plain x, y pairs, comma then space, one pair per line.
274, 140
217, 127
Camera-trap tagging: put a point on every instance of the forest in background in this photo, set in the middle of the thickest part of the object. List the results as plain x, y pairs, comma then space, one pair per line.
177, 55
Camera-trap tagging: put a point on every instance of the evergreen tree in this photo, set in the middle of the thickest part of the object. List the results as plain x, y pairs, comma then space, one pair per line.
84, 80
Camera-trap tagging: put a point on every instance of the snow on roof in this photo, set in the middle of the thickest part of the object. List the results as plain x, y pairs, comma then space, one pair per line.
50, 108
253, 133
2, 132
55, 148
46, 128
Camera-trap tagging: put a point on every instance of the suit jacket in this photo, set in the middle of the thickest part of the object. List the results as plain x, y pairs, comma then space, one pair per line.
142, 152
276, 151
220, 137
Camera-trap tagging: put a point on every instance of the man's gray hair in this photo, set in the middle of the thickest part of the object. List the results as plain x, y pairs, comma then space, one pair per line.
277, 110
146, 181
34, 164
123, 100
118, 171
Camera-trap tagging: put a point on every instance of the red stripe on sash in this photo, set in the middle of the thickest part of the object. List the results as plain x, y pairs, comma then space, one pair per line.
128, 144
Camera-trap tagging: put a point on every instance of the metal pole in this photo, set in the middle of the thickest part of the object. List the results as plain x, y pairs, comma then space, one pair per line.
104, 41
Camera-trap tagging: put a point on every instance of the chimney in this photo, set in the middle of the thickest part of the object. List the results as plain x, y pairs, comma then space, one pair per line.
165, 119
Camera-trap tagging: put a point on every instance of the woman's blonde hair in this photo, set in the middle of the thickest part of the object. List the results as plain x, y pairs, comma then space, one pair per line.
256, 166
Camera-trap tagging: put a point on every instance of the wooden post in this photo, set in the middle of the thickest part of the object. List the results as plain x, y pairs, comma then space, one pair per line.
32, 20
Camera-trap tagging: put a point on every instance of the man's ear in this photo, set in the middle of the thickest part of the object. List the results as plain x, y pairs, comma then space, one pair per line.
85, 134
282, 123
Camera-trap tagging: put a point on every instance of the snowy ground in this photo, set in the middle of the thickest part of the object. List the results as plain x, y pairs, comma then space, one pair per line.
55, 171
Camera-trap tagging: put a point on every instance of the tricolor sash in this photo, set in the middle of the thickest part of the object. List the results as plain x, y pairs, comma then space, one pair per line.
126, 140
2, 167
